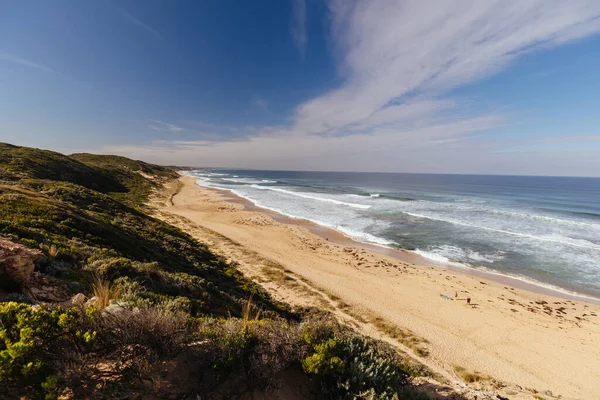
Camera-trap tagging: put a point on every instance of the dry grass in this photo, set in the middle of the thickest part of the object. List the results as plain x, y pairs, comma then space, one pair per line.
152, 328
52, 250
333, 297
341, 304
275, 275
284, 277
359, 317
104, 291
247, 313
404, 336
470, 376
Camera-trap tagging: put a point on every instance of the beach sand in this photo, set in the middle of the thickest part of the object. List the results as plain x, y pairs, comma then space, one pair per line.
517, 342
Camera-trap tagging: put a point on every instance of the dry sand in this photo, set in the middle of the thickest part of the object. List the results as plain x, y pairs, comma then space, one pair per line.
529, 344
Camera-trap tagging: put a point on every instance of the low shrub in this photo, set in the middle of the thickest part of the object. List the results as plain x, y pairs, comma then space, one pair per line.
250, 353
354, 367
34, 341
158, 330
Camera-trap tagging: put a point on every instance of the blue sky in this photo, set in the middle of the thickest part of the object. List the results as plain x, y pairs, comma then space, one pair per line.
502, 87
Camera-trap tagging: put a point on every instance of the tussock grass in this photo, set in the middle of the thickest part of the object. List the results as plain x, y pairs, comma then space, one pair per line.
248, 314
104, 291
53, 251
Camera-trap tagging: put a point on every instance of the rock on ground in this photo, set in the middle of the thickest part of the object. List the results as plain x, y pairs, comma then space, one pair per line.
16, 265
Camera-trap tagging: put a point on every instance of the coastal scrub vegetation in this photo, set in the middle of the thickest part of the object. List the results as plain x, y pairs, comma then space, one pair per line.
100, 300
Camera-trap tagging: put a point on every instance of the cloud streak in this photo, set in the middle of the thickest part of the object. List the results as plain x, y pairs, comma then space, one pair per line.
22, 61
142, 25
398, 61
163, 126
298, 27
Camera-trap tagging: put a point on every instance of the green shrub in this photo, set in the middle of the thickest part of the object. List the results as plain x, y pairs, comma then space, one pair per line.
32, 339
354, 367
250, 353
51, 387
323, 361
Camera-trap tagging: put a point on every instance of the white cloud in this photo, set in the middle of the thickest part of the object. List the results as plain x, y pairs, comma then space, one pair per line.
22, 61
390, 49
384, 151
163, 126
398, 59
392, 153
298, 28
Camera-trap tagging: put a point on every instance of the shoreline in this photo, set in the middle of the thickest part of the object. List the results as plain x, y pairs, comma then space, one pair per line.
519, 342
339, 237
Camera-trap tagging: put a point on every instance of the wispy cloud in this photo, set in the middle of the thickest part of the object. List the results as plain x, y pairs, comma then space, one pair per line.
298, 27
142, 25
206, 126
391, 51
22, 61
259, 103
163, 126
398, 61
554, 143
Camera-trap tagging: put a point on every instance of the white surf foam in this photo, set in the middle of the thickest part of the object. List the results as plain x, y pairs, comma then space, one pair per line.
455, 253
241, 180
445, 261
359, 236
307, 196
546, 238
541, 284
438, 258
357, 225
363, 236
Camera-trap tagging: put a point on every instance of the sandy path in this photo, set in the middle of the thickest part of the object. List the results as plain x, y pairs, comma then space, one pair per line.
527, 342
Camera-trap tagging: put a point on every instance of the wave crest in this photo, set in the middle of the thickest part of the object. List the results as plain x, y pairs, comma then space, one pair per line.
306, 196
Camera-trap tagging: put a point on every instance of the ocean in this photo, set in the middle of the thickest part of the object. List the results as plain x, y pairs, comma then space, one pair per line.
542, 230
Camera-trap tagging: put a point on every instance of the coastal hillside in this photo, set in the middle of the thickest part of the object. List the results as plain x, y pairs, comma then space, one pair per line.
100, 300
127, 180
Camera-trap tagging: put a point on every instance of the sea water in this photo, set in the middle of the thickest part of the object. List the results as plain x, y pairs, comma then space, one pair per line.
539, 229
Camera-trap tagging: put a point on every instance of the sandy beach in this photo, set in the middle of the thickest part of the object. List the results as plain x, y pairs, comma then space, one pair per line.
518, 342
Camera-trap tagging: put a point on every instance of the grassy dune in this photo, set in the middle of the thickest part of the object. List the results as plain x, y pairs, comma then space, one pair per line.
121, 305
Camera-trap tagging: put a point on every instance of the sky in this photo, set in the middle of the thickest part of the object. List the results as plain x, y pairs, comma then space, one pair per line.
473, 87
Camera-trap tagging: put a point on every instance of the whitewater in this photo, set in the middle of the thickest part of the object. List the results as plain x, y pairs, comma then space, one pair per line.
538, 229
